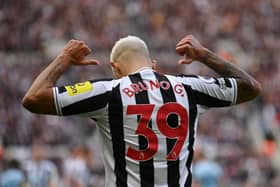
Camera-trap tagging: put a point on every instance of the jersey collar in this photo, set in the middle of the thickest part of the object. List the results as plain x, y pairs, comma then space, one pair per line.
141, 69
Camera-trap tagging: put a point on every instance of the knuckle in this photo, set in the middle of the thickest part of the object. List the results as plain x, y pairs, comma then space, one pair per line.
81, 42
74, 41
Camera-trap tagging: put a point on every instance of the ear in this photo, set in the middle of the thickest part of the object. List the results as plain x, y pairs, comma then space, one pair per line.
114, 64
116, 69
154, 64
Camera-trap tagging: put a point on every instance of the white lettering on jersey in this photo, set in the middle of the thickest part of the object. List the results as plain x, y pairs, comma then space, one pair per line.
138, 87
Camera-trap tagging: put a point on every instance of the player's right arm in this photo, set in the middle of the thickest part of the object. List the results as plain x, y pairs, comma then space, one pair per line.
39, 98
247, 87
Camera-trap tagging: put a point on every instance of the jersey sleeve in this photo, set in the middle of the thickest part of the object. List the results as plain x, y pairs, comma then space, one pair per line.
84, 99
212, 92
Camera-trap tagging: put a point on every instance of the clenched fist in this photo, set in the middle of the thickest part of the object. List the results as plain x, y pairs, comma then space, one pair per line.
77, 50
191, 49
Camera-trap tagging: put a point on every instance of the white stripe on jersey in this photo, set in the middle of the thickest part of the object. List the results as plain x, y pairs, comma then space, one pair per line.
160, 164
131, 139
57, 106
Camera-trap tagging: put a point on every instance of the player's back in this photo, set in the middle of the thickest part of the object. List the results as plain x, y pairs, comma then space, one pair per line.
148, 138
146, 122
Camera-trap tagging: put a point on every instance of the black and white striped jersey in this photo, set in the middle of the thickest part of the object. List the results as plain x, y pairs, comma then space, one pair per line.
146, 122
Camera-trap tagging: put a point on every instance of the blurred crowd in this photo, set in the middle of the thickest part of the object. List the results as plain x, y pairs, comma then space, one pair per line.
38, 167
244, 32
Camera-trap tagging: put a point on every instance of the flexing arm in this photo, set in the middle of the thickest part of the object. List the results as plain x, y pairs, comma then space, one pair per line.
39, 97
248, 87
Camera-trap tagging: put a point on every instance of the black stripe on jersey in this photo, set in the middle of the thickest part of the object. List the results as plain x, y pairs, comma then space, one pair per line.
99, 80
209, 101
87, 105
217, 82
192, 117
115, 112
173, 174
183, 75
146, 167
61, 89
228, 83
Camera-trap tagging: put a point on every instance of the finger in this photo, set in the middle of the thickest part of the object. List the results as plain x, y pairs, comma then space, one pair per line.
188, 42
186, 39
181, 42
84, 51
185, 61
89, 62
184, 46
181, 50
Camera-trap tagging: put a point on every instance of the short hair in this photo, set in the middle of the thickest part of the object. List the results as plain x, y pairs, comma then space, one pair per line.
129, 43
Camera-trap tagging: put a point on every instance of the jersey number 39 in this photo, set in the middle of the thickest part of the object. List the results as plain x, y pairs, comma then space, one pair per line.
179, 132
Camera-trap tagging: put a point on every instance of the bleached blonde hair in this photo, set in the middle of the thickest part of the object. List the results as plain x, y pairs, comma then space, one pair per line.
130, 44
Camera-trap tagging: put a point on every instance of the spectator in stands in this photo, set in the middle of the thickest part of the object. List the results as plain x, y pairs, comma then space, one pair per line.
206, 171
41, 172
12, 176
75, 170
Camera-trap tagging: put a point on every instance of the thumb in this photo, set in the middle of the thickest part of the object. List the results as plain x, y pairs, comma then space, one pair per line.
89, 62
185, 61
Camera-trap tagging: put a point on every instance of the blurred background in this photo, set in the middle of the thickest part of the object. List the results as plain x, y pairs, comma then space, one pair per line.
236, 146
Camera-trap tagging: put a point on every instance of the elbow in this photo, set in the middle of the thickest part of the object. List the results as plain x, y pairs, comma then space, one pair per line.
253, 90
29, 103
40, 102
248, 90
256, 89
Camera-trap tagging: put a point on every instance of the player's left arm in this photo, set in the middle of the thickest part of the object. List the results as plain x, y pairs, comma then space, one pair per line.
39, 98
247, 87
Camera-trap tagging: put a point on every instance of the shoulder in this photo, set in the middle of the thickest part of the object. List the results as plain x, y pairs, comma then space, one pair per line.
106, 83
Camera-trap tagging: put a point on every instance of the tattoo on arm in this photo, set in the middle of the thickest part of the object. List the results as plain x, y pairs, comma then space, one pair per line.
248, 87
53, 76
222, 67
